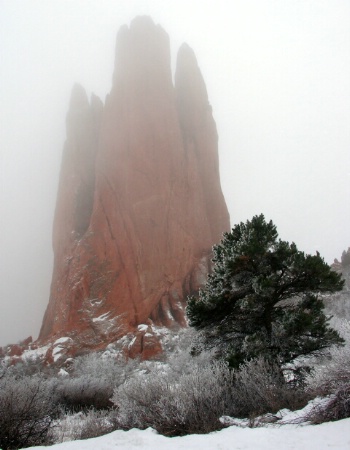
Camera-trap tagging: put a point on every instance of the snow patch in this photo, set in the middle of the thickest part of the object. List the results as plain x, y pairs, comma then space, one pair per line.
132, 342
169, 315
56, 350
56, 357
333, 435
102, 317
62, 340
179, 306
34, 354
95, 301
282, 417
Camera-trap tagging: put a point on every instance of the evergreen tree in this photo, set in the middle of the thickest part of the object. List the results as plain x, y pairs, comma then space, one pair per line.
262, 297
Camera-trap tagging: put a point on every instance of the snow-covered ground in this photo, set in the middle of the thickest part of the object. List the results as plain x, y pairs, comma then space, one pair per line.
331, 435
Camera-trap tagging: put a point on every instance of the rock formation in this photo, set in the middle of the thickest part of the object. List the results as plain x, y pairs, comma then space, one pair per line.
139, 203
338, 304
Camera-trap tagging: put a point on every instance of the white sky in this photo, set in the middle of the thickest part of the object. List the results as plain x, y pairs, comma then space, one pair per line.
278, 78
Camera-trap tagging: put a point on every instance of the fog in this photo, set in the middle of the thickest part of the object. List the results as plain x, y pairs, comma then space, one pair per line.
278, 78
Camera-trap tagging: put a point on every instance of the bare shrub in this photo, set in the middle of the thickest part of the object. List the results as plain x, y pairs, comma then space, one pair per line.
174, 406
83, 393
183, 362
337, 408
26, 367
83, 425
331, 373
27, 410
331, 377
114, 369
190, 394
98, 423
179, 341
260, 387
92, 381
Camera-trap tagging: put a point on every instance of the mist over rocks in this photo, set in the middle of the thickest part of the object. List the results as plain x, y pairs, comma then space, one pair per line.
139, 202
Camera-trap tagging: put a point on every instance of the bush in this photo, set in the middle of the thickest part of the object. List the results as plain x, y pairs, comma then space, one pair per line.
98, 423
93, 378
83, 425
331, 378
331, 373
83, 393
107, 367
337, 408
192, 396
27, 367
260, 387
176, 405
27, 410
189, 393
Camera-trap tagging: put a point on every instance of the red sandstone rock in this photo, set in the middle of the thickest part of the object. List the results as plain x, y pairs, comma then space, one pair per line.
26, 342
139, 203
15, 350
144, 344
60, 351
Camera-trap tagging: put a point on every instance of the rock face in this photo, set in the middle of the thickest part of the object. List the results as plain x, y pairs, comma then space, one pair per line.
139, 203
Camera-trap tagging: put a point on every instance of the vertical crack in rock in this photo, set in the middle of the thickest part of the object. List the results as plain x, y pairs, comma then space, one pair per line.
107, 220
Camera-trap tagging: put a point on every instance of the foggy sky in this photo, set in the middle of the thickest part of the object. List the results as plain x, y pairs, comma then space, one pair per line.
278, 78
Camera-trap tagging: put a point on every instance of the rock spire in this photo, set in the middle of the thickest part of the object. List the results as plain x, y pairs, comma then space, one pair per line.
139, 203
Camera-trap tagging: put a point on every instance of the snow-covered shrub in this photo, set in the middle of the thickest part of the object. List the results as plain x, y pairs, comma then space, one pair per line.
92, 381
176, 404
260, 387
27, 410
188, 394
112, 368
337, 407
98, 423
331, 377
178, 341
332, 370
67, 426
333, 374
181, 361
27, 367
82, 393
82, 425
